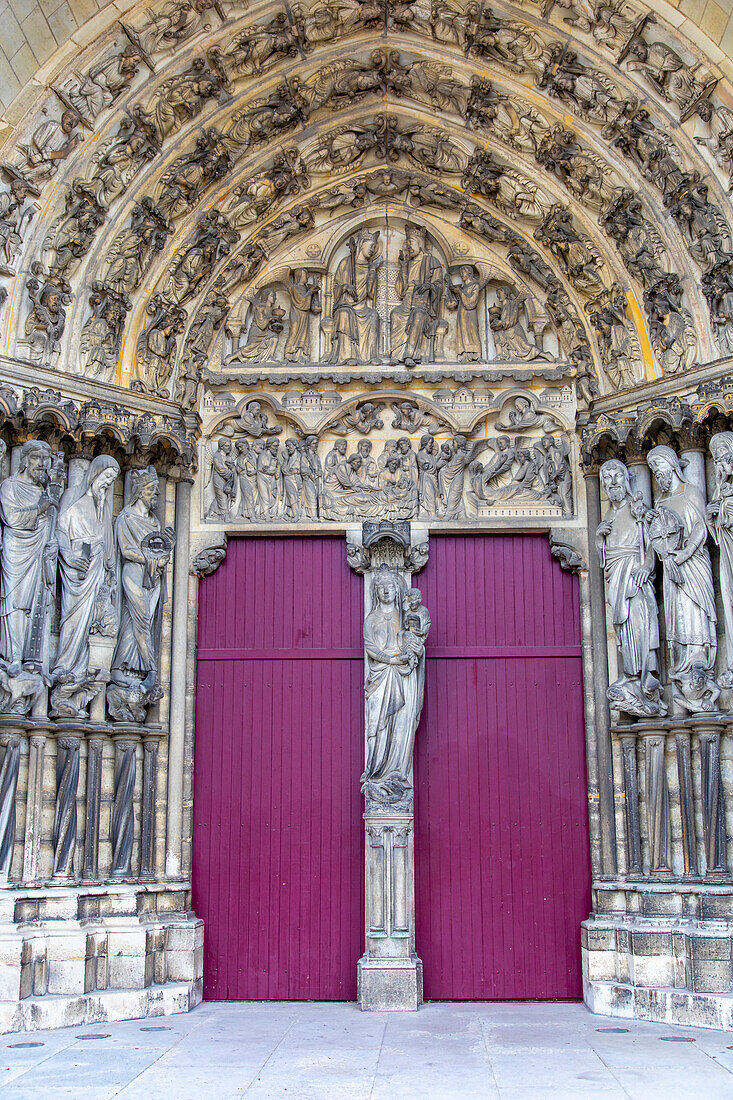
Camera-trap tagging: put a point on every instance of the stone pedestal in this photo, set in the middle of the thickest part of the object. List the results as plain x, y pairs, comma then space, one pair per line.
389, 972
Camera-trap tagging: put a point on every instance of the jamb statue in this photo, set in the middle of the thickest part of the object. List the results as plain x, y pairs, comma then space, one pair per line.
145, 551
395, 631
86, 562
678, 532
627, 561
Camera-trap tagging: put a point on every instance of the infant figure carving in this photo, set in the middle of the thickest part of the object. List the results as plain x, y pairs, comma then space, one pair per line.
395, 631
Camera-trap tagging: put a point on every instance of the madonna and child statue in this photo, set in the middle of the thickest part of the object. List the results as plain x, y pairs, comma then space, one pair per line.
395, 631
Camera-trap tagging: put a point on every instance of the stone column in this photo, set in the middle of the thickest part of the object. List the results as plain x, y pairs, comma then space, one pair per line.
604, 754
11, 736
123, 811
708, 732
37, 734
656, 796
179, 651
68, 749
95, 752
150, 788
683, 752
627, 740
389, 972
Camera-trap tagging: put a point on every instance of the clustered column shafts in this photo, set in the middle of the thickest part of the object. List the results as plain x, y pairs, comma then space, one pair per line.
69, 702
670, 717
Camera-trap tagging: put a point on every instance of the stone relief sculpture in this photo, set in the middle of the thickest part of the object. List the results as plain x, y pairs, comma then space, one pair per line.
395, 631
510, 336
353, 330
101, 337
254, 478
305, 303
627, 559
463, 297
145, 551
416, 327
678, 533
87, 566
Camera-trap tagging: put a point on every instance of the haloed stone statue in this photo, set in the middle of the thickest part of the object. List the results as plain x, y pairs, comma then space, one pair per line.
395, 631
627, 560
87, 568
145, 551
678, 533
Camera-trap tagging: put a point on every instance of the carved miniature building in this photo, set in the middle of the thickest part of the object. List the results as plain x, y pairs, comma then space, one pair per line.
328, 290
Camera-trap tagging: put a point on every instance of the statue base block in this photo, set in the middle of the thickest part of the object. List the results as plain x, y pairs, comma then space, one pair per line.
389, 985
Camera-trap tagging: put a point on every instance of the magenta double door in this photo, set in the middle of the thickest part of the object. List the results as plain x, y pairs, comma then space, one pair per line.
501, 836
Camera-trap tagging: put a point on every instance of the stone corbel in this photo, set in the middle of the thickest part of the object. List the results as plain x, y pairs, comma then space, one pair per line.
207, 553
403, 545
569, 546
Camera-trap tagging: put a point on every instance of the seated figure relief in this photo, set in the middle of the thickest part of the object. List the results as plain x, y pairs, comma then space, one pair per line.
393, 297
254, 476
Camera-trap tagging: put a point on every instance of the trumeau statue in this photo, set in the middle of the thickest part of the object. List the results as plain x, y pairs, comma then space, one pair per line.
28, 507
627, 560
678, 533
720, 513
395, 631
87, 568
145, 551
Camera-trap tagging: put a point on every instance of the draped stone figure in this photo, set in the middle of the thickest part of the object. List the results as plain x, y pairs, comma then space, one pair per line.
720, 513
223, 479
145, 551
678, 532
428, 477
627, 560
28, 514
247, 476
463, 297
86, 566
311, 474
415, 325
305, 301
354, 327
394, 641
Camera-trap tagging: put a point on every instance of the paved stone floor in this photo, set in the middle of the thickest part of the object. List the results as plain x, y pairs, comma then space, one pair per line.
333, 1051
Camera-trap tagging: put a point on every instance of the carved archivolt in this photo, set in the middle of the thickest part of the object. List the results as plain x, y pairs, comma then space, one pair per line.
135, 243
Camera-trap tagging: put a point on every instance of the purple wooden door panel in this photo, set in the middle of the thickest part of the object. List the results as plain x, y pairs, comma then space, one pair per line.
501, 836
278, 849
